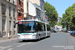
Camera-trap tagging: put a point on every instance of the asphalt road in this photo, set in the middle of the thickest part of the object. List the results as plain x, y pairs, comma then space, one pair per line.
57, 41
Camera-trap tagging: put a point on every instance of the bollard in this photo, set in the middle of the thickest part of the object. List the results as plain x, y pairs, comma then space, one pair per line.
8, 36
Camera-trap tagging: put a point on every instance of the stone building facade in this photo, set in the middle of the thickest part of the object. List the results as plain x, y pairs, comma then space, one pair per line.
34, 9
39, 3
8, 16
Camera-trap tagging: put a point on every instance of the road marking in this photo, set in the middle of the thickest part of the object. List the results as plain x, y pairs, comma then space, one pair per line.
1, 46
5, 47
10, 48
21, 45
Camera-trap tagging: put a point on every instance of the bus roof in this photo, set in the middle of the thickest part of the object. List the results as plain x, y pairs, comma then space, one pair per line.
33, 20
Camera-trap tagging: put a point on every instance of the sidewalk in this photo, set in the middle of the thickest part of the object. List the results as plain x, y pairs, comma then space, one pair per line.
7, 39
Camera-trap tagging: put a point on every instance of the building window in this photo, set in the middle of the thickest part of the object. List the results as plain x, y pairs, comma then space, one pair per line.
19, 14
14, 33
14, 22
19, 2
9, 11
38, 12
3, 9
9, 25
9, 32
13, 12
13, 1
27, 6
42, 3
9, 0
14, 28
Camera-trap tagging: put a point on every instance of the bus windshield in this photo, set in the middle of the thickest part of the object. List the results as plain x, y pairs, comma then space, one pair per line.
26, 27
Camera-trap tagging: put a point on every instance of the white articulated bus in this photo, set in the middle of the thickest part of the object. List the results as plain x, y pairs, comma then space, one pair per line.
32, 30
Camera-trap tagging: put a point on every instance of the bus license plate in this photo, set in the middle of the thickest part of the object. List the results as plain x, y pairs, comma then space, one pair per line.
25, 36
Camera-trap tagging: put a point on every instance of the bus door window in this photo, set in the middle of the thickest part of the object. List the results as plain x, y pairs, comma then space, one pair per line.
48, 27
36, 26
42, 27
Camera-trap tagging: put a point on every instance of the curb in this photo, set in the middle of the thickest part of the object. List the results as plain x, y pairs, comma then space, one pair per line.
6, 40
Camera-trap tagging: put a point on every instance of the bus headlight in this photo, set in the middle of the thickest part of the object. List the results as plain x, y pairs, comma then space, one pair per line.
18, 35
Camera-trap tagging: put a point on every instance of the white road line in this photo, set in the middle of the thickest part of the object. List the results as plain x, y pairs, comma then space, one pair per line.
10, 48
1, 46
5, 47
21, 45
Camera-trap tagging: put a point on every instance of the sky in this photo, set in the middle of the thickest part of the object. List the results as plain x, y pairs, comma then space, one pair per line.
61, 5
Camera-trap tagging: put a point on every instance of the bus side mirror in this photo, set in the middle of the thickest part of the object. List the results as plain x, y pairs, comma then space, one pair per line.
15, 25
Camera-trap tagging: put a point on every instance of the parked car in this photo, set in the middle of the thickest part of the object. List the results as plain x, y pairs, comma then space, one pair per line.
72, 33
53, 31
69, 31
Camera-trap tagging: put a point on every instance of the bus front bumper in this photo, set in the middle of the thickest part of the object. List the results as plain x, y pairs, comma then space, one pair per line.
27, 38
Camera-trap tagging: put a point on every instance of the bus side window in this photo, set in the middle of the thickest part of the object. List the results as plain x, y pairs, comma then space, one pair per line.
39, 27
48, 27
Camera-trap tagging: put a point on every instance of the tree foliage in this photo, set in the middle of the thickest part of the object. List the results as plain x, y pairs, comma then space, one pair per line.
69, 16
51, 13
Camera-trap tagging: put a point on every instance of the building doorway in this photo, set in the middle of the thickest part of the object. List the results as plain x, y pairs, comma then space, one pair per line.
3, 26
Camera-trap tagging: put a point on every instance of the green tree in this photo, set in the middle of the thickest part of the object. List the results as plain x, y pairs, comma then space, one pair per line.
69, 16
51, 13
73, 14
